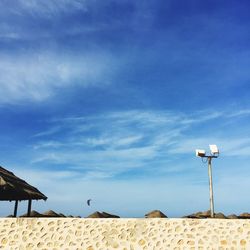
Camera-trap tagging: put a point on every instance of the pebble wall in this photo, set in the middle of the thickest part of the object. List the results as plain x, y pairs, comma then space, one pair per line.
124, 234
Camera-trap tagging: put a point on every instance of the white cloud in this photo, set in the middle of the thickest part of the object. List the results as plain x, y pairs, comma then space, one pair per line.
113, 143
51, 7
202, 117
39, 76
48, 132
242, 112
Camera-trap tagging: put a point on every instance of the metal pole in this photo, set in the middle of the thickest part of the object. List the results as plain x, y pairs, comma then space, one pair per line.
211, 187
29, 208
15, 209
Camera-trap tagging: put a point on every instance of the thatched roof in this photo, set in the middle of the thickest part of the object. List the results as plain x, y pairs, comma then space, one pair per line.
155, 214
102, 215
33, 213
96, 215
14, 188
51, 213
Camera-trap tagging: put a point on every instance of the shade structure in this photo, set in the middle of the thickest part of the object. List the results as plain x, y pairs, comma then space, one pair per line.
14, 188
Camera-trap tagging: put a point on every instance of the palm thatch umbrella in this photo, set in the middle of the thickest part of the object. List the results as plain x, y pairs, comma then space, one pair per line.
102, 215
33, 213
51, 213
14, 188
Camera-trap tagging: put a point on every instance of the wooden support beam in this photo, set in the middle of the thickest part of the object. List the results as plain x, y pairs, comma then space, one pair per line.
29, 208
15, 209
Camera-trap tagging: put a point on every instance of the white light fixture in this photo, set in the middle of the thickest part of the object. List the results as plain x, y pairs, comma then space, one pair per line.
214, 149
214, 153
200, 152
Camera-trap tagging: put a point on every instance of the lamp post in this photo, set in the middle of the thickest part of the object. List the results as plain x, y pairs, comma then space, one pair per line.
214, 154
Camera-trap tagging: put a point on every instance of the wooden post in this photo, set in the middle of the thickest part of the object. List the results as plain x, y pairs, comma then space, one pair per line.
211, 187
29, 208
15, 209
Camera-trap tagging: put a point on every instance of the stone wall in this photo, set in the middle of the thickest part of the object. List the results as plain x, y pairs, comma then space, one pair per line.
130, 234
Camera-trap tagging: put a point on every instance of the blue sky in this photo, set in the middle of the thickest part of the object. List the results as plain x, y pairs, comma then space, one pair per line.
108, 100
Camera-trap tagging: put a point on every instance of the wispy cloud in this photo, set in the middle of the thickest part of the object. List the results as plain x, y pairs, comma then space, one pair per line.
114, 142
38, 76
47, 8
83, 16
117, 142
242, 112
48, 132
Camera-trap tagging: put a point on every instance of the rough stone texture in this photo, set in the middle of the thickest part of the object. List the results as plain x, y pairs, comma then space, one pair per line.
124, 234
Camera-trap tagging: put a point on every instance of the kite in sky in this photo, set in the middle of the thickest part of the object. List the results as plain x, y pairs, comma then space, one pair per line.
88, 202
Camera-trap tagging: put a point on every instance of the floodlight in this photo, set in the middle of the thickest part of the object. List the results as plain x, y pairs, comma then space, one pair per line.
214, 149
214, 153
200, 152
